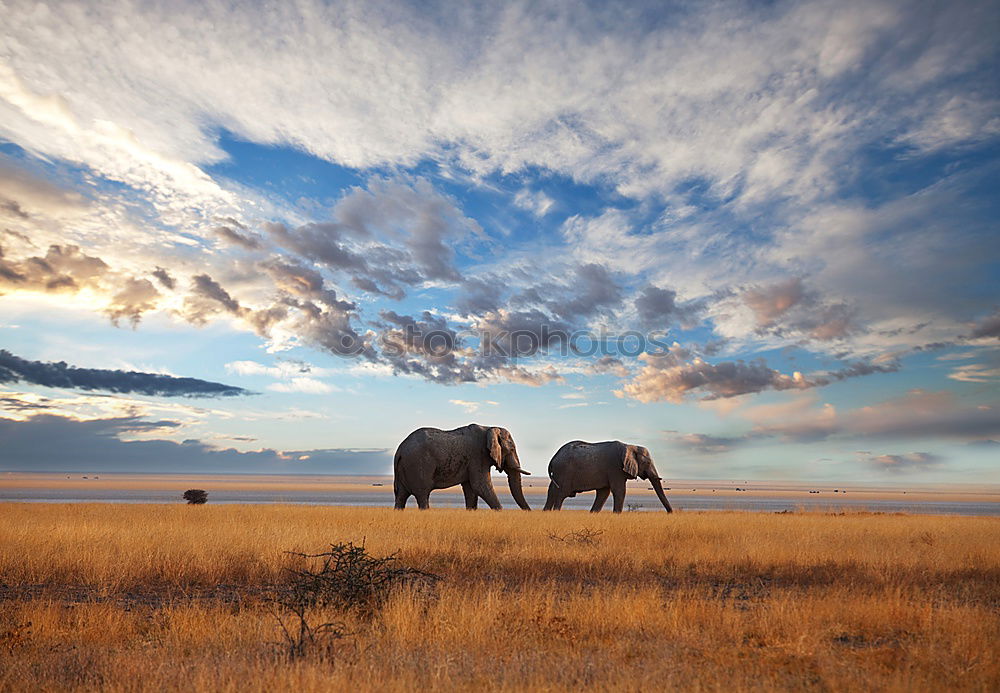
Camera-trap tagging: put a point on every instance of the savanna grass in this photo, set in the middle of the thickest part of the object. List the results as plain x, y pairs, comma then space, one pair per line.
176, 597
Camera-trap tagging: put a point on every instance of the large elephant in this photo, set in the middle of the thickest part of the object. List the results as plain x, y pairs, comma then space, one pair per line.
430, 458
602, 467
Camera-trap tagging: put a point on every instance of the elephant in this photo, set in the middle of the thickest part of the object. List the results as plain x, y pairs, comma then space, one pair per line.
430, 458
603, 467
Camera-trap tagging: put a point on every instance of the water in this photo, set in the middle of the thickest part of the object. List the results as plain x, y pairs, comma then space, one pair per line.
454, 499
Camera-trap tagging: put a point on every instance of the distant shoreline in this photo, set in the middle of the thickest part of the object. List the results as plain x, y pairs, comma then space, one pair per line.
376, 491
18, 478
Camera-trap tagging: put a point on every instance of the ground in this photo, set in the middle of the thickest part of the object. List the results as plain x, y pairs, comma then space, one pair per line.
180, 597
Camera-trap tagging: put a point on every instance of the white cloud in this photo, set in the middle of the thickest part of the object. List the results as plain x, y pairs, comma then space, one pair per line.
141, 97
538, 203
975, 373
282, 369
309, 386
295, 376
471, 407
958, 356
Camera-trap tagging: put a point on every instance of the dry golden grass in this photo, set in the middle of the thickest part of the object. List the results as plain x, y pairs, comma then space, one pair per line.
173, 597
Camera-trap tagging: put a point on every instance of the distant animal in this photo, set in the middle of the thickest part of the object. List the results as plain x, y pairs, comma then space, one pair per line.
430, 458
603, 467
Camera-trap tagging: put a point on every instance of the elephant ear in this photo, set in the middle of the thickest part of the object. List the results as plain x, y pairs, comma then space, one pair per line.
493, 447
629, 463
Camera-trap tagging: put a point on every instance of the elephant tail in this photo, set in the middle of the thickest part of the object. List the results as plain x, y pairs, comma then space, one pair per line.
553, 480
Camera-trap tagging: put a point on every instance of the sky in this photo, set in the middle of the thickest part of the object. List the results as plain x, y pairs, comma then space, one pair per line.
759, 238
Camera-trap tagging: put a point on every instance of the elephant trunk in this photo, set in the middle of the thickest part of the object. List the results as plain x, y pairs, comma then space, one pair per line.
658, 487
514, 481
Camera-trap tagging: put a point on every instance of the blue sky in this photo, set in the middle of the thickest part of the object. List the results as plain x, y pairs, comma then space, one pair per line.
781, 219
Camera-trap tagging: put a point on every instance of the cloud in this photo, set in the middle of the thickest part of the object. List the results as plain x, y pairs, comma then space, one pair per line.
66, 269
282, 369
394, 233
136, 297
591, 290
295, 376
788, 307
918, 414
310, 386
62, 268
705, 444
537, 202
771, 302
975, 373
658, 308
60, 375
426, 346
534, 377
46, 442
305, 309
987, 327
471, 407
25, 195
905, 463
163, 276
610, 364
859, 369
957, 356
430, 348
792, 90
809, 98
233, 237
669, 377
520, 333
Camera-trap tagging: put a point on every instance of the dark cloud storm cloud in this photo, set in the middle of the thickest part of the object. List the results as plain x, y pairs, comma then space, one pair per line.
14, 369
988, 326
234, 237
658, 308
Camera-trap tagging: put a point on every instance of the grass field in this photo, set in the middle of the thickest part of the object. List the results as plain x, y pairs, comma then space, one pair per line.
127, 597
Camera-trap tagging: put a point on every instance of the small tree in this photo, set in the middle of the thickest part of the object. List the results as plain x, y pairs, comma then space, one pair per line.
196, 496
346, 578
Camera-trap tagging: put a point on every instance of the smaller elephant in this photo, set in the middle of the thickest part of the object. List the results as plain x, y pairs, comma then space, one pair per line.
602, 467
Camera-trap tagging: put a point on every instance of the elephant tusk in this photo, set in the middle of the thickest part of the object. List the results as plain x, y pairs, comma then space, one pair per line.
524, 472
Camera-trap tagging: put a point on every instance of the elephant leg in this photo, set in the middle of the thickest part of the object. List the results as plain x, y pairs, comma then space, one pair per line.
550, 499
602, 495
402, 495
471, 497
487, 493
618, 491
423, 499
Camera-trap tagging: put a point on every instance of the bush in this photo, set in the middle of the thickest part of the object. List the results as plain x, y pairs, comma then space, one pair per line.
345, 577
348, 577
196, 496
